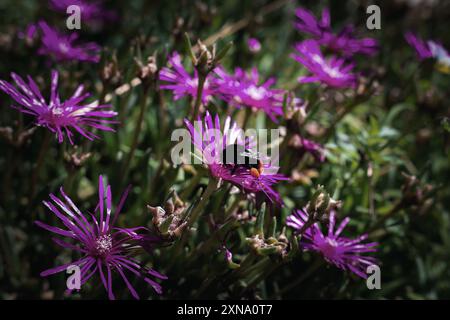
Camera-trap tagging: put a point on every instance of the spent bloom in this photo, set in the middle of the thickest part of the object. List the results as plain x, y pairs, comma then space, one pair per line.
344, 42
243, 89
212, 142
332, 71
63, 47
178, 80
345, 253
60, 117
104, 249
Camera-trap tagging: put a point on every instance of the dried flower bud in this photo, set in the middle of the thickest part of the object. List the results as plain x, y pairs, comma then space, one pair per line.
110, 73
415, 193
149, 70
267, 247
8, 134
169, 221
76, 159
207, 58
321, 204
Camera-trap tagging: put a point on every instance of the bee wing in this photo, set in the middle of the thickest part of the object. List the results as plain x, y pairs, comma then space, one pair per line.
250, 154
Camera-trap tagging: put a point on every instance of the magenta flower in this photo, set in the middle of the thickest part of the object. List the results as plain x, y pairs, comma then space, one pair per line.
308, 146
64, 47
182, 83
345, 253
92, 11
429, 49
104, 248
57, 116
254, 45
332, 71
422, 49
344, 42
244, 89
210, 140
29, 33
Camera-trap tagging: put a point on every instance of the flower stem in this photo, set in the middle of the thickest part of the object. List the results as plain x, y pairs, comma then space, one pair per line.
196, 211
212, 186
40, 161
137, 132
319, 262
347, 109
198, 99
306, 226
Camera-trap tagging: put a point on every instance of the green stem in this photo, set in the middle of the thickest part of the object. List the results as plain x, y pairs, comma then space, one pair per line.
212, 186
40, 161
195, 214
198, 100
137, 132
388, 215
349, 108
304, 276
188, 190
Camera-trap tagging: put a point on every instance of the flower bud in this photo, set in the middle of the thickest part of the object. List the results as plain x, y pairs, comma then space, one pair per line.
321, 204
169, 221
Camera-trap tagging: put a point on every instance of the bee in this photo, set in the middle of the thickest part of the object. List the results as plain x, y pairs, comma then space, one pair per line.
238, 156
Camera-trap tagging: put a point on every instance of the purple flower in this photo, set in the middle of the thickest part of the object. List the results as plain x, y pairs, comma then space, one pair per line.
430, 49
344, 42
309, 24
331, 71
441, 55
254, 45
345, 253
305, 145
63, 47
314, 148
421, 47
244, 89
29, 33
182, 83
91, 11
59, 117
104, 248
210, 140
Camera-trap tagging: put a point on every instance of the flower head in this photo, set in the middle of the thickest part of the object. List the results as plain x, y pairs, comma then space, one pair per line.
441, 55
211, 142
64, 47
60, 117
254, 45
29, 34
345, 253
422, 49
104, 248
182, 83
303, 145
430, 49
245, 89
344, 42
332, 72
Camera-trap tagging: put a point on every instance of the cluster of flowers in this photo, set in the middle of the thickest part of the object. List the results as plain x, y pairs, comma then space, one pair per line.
238, 89
333, 71
105, 248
